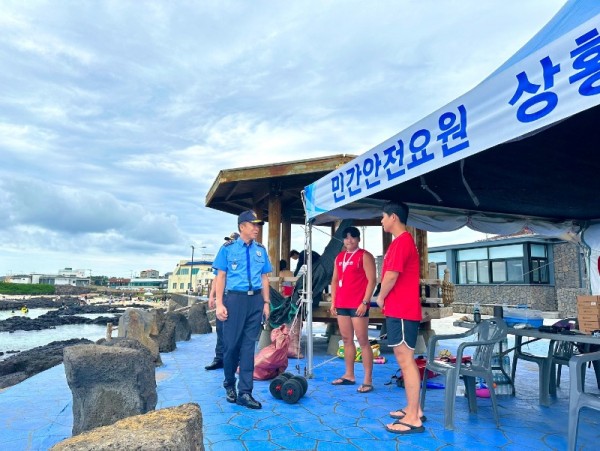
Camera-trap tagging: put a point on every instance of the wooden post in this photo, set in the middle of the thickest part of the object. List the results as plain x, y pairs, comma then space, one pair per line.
274, 243
420, 237
421, 243
286, 238
386, 240
259, 215
109, 328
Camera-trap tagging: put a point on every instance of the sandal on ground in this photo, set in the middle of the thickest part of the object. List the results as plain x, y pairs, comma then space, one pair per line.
403, 414
365, 388
343, 381
411, 428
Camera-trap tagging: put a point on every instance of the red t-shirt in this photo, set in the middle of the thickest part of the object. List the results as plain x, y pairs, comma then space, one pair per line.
403, 301
353, 278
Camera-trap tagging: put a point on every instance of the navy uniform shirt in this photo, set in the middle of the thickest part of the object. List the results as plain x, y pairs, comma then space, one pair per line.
244, 264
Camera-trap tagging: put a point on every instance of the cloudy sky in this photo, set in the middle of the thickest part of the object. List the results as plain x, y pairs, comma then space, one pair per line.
116, 116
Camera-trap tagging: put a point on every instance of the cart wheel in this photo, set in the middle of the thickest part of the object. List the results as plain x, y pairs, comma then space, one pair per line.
276, 385
291, 391
303, 383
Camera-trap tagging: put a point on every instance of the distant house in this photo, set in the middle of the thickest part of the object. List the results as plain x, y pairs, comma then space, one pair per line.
118, 282
141, 284
18, 278
149, 274
53, 279
195, 276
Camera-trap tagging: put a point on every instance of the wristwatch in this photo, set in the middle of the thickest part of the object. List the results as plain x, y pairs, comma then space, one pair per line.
365, 302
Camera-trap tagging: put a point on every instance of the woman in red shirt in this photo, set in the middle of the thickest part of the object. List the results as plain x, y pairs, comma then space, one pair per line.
352, 286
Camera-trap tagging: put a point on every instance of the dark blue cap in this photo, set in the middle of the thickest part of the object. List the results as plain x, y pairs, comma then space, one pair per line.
249, 216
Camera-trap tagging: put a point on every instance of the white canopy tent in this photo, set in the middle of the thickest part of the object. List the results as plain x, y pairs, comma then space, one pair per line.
520, 149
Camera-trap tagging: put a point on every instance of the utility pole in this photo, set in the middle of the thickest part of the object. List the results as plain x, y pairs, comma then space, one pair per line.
191, 269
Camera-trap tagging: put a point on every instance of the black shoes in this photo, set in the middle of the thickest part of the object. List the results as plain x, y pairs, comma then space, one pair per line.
231, 395
246, 400
215, 365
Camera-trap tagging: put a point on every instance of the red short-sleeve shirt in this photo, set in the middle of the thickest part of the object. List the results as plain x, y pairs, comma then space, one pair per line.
403, 301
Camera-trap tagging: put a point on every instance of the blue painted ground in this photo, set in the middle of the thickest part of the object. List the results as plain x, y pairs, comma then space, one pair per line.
37, 413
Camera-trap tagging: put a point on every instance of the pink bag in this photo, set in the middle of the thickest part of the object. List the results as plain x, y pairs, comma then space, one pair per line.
272, 360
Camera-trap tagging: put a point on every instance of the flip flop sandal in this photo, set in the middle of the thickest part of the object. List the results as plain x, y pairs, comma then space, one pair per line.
398, 417
365, 388
411, 429
343, 381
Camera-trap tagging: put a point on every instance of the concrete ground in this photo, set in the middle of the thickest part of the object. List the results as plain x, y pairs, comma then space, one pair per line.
37, 413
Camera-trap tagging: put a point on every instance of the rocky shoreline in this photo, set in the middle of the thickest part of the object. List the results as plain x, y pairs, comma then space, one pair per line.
21, 366
24, 364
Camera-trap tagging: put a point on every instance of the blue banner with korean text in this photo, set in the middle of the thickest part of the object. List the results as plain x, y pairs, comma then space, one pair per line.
554, 82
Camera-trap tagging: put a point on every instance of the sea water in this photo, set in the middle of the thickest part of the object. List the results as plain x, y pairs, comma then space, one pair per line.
22, 340
32, 313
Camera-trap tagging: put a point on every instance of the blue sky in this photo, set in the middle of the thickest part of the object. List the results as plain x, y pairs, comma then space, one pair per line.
116, 116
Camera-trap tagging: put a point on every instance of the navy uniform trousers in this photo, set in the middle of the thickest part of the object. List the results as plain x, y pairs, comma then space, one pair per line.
219, 345
240, 334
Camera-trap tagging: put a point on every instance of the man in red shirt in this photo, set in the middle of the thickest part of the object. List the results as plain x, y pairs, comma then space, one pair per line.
399, 300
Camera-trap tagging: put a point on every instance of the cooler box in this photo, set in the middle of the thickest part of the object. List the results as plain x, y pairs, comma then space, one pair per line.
532, 318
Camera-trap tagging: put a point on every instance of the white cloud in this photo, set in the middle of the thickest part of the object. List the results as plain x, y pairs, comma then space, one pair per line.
116, 116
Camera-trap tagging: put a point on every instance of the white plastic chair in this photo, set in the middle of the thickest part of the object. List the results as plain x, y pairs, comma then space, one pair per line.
577, 397
488, 332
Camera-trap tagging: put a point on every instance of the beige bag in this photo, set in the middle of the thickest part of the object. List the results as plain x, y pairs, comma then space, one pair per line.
295, 335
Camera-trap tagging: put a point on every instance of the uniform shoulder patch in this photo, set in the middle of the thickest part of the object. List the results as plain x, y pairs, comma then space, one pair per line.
260, 245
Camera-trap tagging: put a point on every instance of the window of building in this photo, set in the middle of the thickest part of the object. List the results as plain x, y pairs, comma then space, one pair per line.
539, 264
174, 285
181, 286
503, 264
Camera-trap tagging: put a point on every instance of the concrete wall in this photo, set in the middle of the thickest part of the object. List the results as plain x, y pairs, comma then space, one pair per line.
541, 297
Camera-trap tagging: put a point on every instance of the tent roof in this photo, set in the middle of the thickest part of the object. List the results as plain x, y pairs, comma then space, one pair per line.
240, 189
554, 175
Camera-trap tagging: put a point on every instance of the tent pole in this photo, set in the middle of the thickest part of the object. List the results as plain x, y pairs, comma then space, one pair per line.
308, 299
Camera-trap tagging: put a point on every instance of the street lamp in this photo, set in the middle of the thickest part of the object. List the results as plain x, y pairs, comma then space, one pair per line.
191, 269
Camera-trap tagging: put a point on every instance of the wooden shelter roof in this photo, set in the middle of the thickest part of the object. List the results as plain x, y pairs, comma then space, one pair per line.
237, 190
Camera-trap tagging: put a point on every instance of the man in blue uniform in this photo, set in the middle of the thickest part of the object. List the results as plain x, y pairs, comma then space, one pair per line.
218, 360
242, 300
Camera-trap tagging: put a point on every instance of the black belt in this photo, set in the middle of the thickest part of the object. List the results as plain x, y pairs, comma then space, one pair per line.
246, 293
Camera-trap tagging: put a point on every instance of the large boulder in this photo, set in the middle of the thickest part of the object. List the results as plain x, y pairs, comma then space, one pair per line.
141, 325
183, 331
131, 344
166, 332
198, 319
175, 428
28, 363
172, 327
108, 384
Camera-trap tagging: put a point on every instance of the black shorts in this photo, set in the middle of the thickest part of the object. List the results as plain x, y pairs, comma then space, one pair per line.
351, 312
402, 331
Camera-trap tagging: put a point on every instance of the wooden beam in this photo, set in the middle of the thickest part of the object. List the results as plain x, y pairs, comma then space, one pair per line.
386, 240
286, 238
274, 243
259, 215
420, 237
